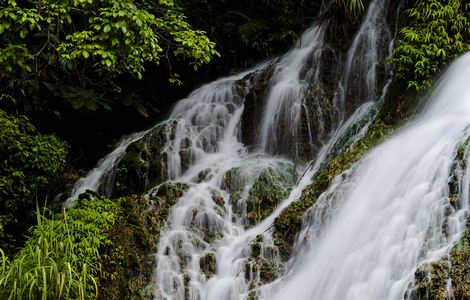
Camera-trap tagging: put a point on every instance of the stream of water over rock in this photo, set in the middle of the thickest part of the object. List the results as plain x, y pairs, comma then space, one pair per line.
367, 233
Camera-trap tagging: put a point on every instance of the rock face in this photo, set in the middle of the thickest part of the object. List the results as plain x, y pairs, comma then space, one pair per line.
254, 199
257, 88
143, 165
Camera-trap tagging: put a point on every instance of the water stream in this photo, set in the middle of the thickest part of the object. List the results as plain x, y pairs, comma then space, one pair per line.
393, 211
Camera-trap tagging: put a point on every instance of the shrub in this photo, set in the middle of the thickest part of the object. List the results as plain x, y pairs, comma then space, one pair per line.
29, 162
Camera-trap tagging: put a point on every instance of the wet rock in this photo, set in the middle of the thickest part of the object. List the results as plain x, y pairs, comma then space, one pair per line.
258, 83
289, 222
144, 164
208, 264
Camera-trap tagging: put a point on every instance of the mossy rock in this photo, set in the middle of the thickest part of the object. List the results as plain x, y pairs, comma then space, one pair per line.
268, 271
144, 163
129, 265
164, 197
134, 238
460, 268
431, 279
270, 188
255, 196
208, 264
258, 83
430, 282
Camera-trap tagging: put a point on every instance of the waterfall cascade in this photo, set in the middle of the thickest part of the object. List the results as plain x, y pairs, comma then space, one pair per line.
367, 233
394, 210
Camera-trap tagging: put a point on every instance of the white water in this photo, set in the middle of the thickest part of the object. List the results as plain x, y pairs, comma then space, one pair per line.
204, 146
97, 177
282, 113
365, 56
393, 211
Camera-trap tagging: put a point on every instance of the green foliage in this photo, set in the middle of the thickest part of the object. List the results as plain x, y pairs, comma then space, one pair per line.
257, 27
61, 258
30, 162
350, 8
92, 39
436, 32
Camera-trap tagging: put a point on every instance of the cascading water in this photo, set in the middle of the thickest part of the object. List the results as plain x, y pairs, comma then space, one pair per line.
207, 139
218, 218
394, 212
366, 57
98, 179
283, 108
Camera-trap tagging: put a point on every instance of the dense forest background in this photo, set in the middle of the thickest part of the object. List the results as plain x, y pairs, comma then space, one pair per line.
76, 75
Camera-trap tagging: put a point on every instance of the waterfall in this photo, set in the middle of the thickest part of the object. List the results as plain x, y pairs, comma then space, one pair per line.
99, 179
394, 211
218, 220
282, 112
205, 152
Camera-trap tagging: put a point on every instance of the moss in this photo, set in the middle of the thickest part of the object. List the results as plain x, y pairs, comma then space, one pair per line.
164, 198
430, 282
267, 270
270, 188
460, 270
208, 264
230, 181
129, 265
143, 165
134, 237
262, 266
431, 279
218, 199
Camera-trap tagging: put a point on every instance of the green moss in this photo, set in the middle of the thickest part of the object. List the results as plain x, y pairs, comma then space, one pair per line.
208, 264
134, 238
431, 279
270, 188
460, 268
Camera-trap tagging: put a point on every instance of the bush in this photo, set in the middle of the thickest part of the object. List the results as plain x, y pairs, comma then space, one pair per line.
29, 163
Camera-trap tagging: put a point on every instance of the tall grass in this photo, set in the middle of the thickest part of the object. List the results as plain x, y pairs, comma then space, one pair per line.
61, 258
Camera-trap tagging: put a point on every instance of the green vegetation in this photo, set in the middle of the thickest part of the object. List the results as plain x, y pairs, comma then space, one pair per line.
61, 259
30, 164
98, 249
436, 32
75, 48
270, 188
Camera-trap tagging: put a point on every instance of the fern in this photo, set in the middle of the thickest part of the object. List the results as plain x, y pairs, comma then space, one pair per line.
436, 32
